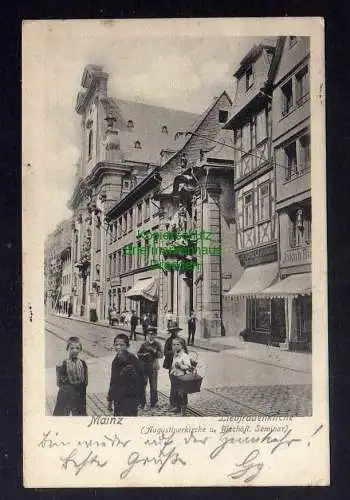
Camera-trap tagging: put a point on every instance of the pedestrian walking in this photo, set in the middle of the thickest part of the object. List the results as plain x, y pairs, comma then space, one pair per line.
146, 321
70, 309
168, 358
180, 366
72, 380
126, 384
133, 325
113, 315
191, 328
149, 354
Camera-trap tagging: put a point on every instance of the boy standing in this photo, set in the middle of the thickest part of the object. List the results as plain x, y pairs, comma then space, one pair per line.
181, 364
72, 380
126, 385
148, 354
191, 328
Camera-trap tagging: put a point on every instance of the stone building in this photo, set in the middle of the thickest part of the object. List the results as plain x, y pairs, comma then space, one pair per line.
170, 198
291, 144
256, 222
57, 267
120, 144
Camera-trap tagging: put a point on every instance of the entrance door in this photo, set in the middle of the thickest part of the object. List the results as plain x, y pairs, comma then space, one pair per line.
278, 324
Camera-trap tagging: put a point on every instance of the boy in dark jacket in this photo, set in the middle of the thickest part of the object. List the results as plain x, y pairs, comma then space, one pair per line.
133, 325
72, 379
148, 354
126, 385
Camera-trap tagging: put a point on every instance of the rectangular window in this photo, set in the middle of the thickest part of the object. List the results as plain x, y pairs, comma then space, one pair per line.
120, 227
130, 220
223, 116
291, 168
248, 220
126, 185
110, 235
125, 223
246, 141
260, 314
130, 259
138, 254
98, 237
249, 78
147, 253
110, 264
302, 86
114, 263
264, 202
115, 232
123, 261
261, 126
139, 214
287, 97
119, 261
147, 209
304, 152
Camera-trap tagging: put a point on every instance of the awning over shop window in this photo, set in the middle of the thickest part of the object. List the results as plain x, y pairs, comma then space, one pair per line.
294, 285
254, 280
146, 288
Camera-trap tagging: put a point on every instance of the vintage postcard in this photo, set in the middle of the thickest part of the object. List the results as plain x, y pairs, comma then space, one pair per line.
174, 253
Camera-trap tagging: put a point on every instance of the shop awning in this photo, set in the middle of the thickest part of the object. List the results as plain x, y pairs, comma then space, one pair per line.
294, 285
146, 288
254, 280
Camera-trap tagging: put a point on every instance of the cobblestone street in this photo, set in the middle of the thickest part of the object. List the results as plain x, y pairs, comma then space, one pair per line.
232, 386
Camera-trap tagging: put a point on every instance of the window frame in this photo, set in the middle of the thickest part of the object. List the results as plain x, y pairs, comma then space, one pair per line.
247, 193
261, 219
249, 73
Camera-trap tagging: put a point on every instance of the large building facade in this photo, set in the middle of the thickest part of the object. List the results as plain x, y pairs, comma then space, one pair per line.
175, 212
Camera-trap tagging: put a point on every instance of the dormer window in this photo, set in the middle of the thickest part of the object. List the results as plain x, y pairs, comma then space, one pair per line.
164, 129
137, 145
292, 41
130, 124
249, 78
126, 184
223, 116
177, 135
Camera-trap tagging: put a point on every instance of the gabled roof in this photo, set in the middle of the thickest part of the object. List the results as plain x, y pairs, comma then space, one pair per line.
195, 126
252, 55
276, 59
148, 121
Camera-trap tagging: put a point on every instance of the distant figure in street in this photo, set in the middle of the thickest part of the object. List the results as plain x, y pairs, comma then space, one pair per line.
191, 328
110, 309
113, 316
70, 309
170, 319
133, 325
72, 380
127, 381
146, 321
168, 358
149, 354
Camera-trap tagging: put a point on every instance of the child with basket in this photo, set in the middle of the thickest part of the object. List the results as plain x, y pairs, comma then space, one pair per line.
180, 366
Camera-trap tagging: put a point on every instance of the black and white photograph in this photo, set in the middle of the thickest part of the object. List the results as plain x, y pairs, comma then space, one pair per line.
178, 275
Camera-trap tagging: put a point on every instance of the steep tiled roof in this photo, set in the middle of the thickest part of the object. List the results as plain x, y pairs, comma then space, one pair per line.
221, 151
148, 121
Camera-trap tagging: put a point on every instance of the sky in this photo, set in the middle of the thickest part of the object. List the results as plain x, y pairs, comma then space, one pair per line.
169, 68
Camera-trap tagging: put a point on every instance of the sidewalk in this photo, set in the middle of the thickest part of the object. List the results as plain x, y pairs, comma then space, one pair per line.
270, 355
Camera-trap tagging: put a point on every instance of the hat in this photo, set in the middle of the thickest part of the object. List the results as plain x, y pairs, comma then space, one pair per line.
173, 329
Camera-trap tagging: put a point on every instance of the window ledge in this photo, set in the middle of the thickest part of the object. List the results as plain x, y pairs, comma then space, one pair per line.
297, 175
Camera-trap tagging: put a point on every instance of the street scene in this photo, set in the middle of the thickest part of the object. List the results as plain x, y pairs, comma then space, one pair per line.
238, 381
178, 272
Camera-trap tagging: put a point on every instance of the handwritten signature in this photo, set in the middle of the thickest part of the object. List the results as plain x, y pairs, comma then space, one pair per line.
270, 439
166, 455
248, 466
91, 459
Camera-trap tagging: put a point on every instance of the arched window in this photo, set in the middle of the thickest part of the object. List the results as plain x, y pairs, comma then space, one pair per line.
137, 145
90, 144
130, 124
164, 129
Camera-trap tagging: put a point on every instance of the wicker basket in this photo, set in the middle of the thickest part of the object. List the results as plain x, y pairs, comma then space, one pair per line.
189, 383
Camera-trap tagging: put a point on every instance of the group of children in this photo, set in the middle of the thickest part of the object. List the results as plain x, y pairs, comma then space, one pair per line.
130, 376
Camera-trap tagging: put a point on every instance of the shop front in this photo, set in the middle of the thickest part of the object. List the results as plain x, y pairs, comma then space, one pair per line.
145, 293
